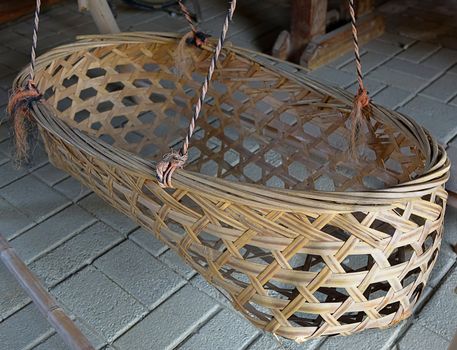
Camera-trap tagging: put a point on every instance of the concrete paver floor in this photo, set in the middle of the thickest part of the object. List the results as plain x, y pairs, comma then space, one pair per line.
123, 287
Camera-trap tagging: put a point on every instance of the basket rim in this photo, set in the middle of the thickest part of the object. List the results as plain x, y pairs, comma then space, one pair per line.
436, 171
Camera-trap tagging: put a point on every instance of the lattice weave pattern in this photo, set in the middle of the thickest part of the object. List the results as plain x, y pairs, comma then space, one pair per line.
299, 263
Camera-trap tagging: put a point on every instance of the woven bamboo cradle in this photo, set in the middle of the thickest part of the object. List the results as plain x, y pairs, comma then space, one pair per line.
270, 208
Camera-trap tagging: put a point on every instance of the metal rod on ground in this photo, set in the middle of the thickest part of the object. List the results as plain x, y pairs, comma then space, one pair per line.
45, 302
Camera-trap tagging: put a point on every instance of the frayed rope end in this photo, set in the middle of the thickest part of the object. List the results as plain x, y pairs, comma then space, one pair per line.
360, 113
21, 120
165, 168
183, 58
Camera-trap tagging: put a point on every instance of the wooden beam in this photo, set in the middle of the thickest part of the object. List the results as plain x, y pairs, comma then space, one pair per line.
45, 302
324, 48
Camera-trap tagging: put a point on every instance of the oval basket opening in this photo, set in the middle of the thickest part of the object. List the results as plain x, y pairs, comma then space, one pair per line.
257, 126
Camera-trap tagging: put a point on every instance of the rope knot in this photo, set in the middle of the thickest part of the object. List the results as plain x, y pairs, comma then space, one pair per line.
362, 98
23, 97
359, 114
165, 168
198, 39
19, 105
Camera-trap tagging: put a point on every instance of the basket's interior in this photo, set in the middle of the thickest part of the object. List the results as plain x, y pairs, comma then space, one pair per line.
257, 126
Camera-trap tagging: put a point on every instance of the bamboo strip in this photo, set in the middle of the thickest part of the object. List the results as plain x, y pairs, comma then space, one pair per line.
44, 301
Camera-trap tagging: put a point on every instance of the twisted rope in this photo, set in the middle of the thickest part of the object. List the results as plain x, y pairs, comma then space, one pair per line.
360, 109
174, 160
187, 15
36, 23
20, 102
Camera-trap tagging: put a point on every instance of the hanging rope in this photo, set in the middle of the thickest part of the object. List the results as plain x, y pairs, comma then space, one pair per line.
20, 101
175, 160
360, 109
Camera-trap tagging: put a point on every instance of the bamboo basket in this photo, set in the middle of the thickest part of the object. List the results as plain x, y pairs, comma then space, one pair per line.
305, 240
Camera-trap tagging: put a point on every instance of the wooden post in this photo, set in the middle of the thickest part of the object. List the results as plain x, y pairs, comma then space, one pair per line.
45, 302
308, 19
102, 15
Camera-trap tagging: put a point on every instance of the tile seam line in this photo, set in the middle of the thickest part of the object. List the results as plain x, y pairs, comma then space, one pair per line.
82, 267
148, 311
196, 327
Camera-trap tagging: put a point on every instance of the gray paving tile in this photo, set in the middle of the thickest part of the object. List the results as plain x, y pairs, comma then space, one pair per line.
6, 81
265, 342
419, 51
3, 96
8, 37
382, 47
437, 117
12, 297
4, 132
392, 97
199, 282
72, 189
397, 40
443, 89
51, 233
50, 174
9, 173
450, 226
312, 344
372, 339
438, 315
105, 307
29, 324
175, 262
3, 159
34, 198
333, 76
343, 60
370, 60
4, 71
94, 338
226, 331
143, 276
397, 79
107, 214
453, 101
372, 86
420, 338
6, 147
416, 69
268, 342
147, 241
451, 185
174, 320
14, 59
75, 253
13, 221
442, 59
446, 259
54, 342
